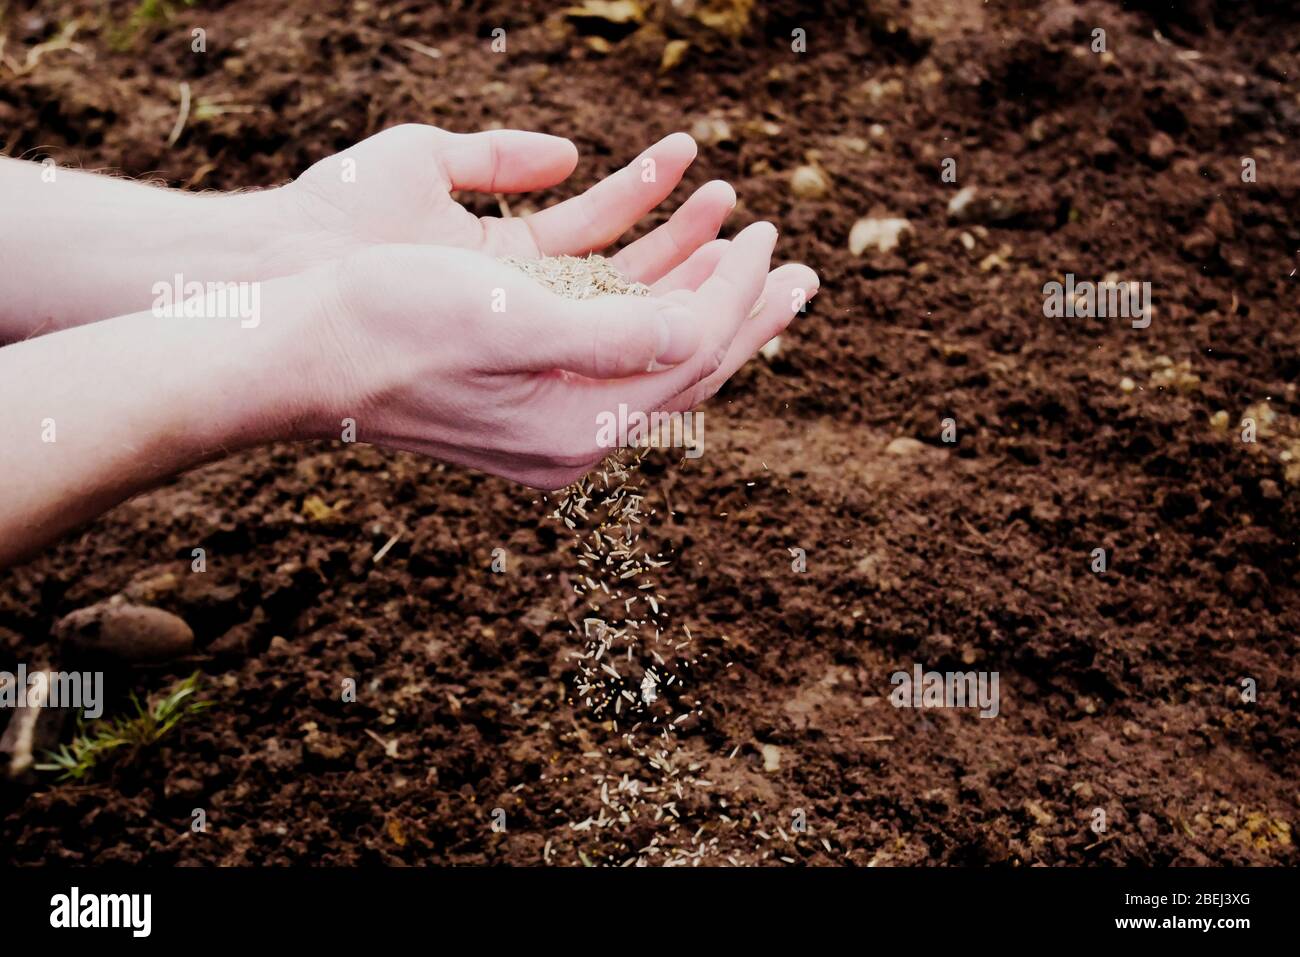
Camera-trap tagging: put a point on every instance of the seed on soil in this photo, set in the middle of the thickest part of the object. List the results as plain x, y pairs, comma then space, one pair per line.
604, 511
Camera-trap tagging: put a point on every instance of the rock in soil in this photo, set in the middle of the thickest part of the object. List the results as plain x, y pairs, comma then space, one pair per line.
883, 234
130, 633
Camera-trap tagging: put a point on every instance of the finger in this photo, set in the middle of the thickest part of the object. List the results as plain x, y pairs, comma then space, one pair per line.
607, 210
691, 274
504, 161
720, 306
608, 337
694, 223
735, 285
787, 290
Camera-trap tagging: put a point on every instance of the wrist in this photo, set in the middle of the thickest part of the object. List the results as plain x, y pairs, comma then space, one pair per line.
250, 370
241, 236
95, 246
298, 366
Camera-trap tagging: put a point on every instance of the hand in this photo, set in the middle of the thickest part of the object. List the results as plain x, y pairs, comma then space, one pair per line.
401, 192
411, 349
397, 187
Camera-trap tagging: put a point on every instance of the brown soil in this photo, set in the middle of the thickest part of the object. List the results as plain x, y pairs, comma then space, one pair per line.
1120, 690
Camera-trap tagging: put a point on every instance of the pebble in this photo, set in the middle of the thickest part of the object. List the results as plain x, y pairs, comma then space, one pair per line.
904, 445
884, 234
961, 202
1219, 221
771, 758
125, 631
970, 204
711, 130
808, 182
1161, 147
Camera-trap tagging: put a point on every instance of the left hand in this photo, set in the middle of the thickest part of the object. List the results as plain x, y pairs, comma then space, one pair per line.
398, 187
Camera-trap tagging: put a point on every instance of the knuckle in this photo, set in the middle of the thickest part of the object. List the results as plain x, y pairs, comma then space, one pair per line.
611, 345
695, 396
713, 361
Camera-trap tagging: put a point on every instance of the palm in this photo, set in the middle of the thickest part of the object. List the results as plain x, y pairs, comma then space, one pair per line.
399, 187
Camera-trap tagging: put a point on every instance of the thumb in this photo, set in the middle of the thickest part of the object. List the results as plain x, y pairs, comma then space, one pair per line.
613, 337
505, 161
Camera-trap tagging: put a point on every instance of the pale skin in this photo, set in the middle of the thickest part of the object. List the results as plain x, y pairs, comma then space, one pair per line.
380, 302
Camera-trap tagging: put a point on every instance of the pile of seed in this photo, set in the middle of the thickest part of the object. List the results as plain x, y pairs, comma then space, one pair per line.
578, 277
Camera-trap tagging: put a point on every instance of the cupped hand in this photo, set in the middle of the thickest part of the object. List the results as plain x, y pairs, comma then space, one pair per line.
399, 186
453, 354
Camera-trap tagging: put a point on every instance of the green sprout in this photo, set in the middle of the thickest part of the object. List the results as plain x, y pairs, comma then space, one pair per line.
147, 13
147, 726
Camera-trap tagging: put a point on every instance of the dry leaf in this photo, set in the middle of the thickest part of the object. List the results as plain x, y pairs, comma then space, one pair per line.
315, 509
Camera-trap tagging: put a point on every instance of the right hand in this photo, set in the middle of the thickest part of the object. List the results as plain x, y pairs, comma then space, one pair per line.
413, 351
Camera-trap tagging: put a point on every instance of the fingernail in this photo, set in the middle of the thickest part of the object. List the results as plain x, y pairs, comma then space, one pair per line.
679, 335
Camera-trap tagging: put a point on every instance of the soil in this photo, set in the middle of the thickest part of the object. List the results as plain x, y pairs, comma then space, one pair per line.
1120, 691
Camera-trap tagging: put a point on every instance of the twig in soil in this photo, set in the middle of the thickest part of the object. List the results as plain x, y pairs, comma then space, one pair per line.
433, 53
390, 747
182, 116
386, 546
1108, 837
62, 42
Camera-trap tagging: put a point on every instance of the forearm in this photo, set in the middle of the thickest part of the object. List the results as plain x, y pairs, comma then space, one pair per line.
77, 247
92, 415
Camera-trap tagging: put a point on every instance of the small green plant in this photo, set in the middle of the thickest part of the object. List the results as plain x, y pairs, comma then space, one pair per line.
147, 13
145, 727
